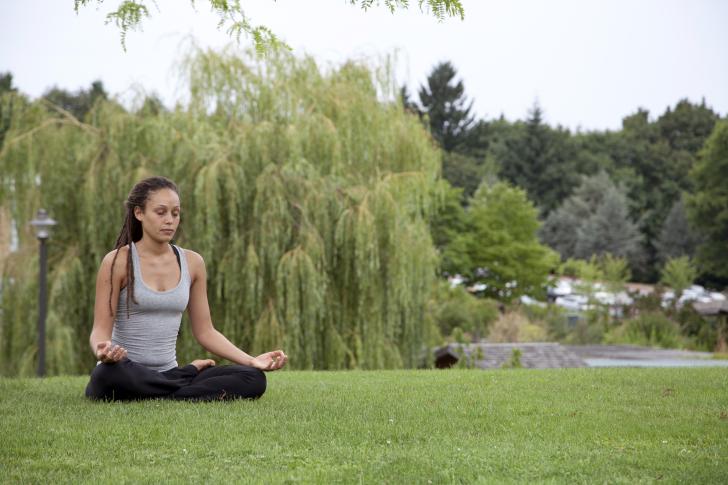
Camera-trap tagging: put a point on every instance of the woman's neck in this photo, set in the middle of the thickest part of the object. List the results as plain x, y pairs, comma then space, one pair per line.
151, 247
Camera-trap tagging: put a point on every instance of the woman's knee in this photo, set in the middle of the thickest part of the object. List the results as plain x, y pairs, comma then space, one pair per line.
261, 381
254, 382
104, 381
101, 383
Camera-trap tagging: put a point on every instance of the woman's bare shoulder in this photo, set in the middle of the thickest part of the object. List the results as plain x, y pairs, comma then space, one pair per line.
195, 262
120, 262
194, 258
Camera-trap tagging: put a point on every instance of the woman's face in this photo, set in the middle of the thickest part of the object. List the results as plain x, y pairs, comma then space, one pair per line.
160, 217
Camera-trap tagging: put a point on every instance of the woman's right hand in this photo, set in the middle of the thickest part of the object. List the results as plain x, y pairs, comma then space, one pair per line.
108, 354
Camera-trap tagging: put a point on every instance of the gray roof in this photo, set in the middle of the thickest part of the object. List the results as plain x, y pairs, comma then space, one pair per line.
534, 355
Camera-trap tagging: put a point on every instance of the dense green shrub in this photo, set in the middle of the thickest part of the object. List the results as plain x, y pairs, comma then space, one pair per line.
455, 307
652, 329
551, 317
514, 326
589, 328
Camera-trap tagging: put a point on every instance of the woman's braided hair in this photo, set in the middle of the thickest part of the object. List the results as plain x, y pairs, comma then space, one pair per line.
131, 230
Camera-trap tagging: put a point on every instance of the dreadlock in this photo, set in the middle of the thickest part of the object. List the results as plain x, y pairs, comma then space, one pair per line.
131, 230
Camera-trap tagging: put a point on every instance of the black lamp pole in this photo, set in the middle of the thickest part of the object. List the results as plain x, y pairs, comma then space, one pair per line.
42, 225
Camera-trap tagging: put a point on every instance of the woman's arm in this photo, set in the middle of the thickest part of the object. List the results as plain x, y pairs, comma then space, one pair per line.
100, 338
206, 334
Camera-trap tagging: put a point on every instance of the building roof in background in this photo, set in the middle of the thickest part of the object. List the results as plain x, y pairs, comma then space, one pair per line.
534, 355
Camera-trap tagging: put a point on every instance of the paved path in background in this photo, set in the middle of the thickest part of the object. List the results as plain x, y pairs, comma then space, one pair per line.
634, 352
635, 356
543, 355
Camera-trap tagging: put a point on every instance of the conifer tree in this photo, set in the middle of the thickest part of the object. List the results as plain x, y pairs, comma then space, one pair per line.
77, 103
609, 231
448, 110
678, 237
539, 159
594, 221
708, 205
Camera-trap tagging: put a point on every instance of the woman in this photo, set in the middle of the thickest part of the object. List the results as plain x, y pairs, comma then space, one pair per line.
142, 288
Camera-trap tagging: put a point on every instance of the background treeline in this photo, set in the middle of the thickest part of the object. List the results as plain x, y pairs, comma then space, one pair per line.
326, 204
646, 192
526, 200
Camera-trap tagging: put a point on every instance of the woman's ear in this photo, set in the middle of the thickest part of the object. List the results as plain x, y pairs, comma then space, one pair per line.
138, 213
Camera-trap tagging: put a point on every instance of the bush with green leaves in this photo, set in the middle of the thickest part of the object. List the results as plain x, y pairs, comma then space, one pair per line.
515, 361
652, 329
514, 326
552, 318
499, 246
456, 308
678, 274
699, 332
589, 328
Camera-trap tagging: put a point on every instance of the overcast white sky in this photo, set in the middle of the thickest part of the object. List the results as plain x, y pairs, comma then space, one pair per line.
588, 62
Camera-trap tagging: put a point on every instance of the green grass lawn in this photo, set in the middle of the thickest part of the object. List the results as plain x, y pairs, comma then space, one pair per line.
461, 426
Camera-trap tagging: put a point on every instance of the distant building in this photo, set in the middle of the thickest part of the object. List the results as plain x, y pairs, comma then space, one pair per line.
533, 355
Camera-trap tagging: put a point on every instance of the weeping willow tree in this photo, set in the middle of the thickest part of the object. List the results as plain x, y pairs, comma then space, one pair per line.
307, 191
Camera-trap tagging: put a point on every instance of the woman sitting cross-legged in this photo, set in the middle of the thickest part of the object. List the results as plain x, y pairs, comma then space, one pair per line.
142, 288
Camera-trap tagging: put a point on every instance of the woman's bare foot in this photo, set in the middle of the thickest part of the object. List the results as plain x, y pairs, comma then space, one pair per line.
203, 363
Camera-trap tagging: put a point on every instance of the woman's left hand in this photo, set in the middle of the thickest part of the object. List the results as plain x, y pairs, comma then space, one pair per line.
202, 364
270, 360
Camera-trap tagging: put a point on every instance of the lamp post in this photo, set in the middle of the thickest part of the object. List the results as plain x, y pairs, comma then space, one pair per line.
42, 224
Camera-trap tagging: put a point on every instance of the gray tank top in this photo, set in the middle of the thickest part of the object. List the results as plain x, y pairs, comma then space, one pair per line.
150, 333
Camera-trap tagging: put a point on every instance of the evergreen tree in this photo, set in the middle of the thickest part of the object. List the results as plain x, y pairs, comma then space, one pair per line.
708, 205
592, 222
448, 110
463, 172
79, 103
654, 160
408, 104
561, 228
6, 83
8, 100
609, 231
687, 126
540, 160
677, 237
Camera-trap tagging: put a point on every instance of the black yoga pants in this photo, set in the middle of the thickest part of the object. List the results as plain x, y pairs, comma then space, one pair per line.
127, 380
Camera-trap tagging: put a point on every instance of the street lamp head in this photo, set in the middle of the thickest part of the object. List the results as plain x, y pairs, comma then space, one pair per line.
42, 224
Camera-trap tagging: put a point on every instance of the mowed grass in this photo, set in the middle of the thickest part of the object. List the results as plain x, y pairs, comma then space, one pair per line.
455, 426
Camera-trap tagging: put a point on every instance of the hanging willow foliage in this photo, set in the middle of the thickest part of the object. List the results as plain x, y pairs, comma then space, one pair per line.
307, 191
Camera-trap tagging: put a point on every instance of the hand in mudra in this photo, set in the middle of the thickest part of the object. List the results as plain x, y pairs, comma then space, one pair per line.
109, 354
270, 360
203, 363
